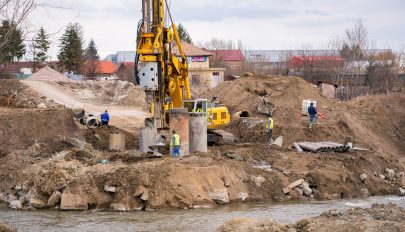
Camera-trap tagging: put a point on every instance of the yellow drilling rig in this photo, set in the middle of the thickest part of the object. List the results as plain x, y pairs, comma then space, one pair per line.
164, 77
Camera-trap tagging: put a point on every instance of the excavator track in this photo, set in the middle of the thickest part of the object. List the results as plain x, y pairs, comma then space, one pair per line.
220, 137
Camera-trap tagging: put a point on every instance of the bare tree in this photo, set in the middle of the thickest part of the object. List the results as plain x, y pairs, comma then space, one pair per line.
355, 46
15, 12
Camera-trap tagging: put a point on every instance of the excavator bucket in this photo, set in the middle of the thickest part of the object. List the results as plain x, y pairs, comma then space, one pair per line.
266, 107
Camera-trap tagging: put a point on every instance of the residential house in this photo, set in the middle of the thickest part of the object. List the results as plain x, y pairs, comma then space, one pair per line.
202, 75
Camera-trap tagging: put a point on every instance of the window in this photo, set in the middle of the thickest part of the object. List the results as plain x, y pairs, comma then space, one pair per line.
195, 79
214, 116
223, 115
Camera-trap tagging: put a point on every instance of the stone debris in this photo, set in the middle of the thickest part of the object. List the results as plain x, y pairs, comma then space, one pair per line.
71, 201
110, 189
38, 203
219, 196
258, 180
389, 174
235, 156
296, 183
16, 205
54, 199
382, 176
363, 177
401, 192
243, 196
145, 195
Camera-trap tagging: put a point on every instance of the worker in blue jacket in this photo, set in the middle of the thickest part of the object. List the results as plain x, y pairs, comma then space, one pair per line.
313, 114
105, 118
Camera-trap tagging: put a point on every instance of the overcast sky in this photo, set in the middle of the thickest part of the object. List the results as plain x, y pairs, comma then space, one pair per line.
260, 24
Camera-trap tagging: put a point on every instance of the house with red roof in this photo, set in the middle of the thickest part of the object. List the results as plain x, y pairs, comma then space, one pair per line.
92, 69
232, 60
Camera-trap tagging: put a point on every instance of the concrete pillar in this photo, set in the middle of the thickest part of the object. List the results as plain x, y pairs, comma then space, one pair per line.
179, 121
198, 132
147, 137
117, 142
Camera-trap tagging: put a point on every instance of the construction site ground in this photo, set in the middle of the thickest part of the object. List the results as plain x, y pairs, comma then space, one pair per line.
47, 159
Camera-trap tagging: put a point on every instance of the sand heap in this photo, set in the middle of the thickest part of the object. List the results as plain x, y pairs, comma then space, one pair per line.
373, 121
47, 74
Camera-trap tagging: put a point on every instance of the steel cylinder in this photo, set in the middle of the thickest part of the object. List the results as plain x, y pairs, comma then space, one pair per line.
179, 122
198, 132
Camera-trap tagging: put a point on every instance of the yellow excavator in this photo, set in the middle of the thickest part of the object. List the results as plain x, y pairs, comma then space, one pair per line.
164, 77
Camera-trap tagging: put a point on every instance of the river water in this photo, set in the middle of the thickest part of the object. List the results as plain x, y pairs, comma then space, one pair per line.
178, 220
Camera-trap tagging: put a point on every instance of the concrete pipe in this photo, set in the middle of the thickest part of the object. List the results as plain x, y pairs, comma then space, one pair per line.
179, 121
198, 132
92, 122
297, 147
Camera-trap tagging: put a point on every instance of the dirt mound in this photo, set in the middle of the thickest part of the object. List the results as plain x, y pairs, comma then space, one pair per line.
286, 93
13, 94
378, 218
106, 92
22, 128
375, 122
48, 74
379, 120
100, 137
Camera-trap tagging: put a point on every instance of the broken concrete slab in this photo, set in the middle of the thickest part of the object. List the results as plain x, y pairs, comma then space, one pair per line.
278, 141
286, 190
110, 189
38, 203
307, 191
71, 201
54, 199
296, 183
219, 196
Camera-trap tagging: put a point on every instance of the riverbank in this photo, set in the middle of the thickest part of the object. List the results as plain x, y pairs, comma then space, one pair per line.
49, 161
203, 219
377, 218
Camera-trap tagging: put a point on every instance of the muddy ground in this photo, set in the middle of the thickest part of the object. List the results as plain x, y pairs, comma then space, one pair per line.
377, 218
50, 161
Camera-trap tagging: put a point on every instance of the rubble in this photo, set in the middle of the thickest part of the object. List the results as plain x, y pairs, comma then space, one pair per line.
363, 177
219, 196
54, 199
71, 201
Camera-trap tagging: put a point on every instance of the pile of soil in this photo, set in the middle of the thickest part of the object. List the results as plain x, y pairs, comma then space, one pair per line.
21, 128
100, 137
13, 94
287, 93
106, 92
375, 122
378, 218
48, 74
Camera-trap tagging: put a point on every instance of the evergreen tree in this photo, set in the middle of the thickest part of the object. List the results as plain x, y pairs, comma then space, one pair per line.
41, 46
91, 60
14, 49
71, 49
91, 52
183, 34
